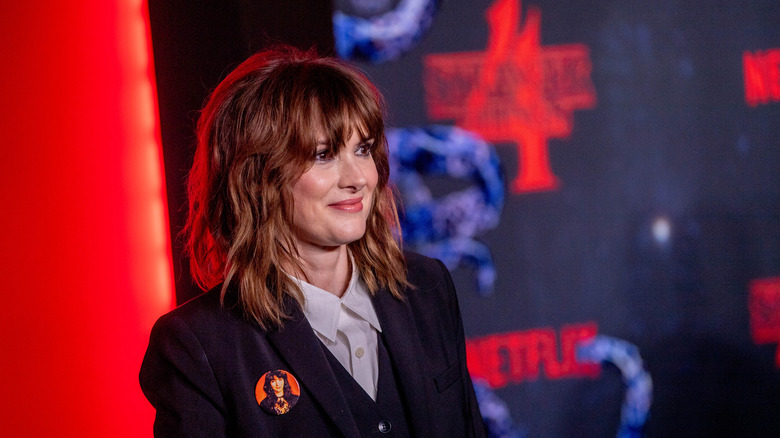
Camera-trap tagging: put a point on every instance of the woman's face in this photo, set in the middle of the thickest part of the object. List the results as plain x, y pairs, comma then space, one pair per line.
277, 384
333, 198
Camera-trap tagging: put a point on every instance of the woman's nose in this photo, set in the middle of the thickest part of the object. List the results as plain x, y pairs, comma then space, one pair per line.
351, 173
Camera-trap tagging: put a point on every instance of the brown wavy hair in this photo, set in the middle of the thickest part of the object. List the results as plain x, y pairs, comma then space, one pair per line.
256, 135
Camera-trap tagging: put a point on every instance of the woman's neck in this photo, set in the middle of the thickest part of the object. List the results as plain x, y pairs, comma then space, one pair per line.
328, 268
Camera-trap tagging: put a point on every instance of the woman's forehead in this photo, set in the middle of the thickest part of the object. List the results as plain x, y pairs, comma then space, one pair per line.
343, 132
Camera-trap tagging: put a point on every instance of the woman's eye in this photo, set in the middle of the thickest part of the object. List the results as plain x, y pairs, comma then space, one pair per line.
364, 149
322, 155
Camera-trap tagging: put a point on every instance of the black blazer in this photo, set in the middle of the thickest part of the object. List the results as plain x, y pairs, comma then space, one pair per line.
204, 361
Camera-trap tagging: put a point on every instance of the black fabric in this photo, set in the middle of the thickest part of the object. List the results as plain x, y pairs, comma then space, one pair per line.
388, 396
370, 414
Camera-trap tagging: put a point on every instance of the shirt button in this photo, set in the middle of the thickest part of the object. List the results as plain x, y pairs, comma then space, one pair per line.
384, 426
359, 352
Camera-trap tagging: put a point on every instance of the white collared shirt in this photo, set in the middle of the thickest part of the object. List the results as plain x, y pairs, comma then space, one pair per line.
348, 326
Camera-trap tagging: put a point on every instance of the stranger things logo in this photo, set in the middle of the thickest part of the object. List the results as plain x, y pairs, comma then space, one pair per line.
517, 91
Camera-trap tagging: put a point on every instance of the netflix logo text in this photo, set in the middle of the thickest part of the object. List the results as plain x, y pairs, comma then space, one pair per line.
515, 357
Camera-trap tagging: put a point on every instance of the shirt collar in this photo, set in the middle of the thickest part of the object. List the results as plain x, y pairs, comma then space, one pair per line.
323, 309
358, 300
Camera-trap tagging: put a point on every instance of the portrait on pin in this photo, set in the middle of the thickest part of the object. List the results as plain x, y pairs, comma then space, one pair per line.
277, 392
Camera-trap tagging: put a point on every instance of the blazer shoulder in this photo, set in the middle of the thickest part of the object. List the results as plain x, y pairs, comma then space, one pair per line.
205, 311
426, 273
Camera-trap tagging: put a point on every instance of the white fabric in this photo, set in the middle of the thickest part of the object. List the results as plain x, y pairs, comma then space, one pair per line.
348, 326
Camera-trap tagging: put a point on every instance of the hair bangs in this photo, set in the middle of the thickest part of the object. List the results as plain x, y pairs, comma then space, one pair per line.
345, 103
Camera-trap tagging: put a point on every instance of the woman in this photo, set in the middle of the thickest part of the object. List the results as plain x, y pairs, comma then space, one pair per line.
290, 226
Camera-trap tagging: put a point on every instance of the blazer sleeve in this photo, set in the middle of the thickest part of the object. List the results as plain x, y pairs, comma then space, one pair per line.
475, 422
178, 380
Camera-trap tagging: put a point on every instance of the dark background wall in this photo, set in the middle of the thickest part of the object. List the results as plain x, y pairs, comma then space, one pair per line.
670, 139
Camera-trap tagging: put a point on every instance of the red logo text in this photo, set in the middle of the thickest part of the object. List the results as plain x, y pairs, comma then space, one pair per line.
764, 307
762, 76
514, 357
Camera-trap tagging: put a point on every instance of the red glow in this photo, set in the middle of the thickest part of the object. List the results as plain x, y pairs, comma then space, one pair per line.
85, 252
764, 307
515, 357
517, 91
762, 76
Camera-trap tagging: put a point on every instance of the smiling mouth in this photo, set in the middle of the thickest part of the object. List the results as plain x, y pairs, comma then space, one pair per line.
353, 205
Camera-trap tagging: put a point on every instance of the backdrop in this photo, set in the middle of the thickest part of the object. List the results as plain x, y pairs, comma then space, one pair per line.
85, 255
601, 178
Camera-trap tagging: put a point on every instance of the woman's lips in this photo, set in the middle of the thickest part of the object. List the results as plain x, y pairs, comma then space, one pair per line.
353, 205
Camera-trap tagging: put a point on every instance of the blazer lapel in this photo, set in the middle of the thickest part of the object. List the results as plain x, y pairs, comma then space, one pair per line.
299, 346
403, 344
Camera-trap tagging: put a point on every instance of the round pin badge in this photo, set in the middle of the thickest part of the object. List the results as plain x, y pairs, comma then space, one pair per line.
277, 392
